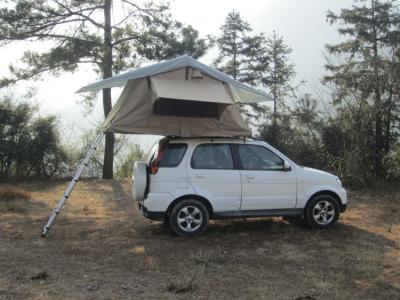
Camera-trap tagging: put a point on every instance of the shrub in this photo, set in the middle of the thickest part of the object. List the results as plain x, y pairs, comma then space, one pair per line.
392, 163
125, 166
29, 144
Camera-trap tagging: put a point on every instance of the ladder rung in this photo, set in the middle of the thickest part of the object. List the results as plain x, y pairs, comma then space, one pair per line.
72, 184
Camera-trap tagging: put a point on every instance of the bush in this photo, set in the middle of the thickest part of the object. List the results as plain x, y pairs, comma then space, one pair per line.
29, 144
125, 167
392, 163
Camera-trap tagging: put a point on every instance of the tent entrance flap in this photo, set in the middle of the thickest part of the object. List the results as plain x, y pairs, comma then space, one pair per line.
187, 108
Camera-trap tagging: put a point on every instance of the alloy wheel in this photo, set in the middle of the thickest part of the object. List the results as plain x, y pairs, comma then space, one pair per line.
323, 212
189, 218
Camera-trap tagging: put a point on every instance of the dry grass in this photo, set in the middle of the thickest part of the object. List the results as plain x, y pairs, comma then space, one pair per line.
11, 193
101, 248
13, 199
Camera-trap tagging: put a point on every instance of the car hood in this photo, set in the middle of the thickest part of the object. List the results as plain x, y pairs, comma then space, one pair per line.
314, 175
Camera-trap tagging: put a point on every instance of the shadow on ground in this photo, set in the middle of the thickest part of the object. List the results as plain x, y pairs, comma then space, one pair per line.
109, 251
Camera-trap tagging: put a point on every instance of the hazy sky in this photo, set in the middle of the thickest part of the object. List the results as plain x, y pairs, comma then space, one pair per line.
301, 22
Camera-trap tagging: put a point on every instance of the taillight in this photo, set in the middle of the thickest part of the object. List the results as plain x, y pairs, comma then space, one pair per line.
155, 164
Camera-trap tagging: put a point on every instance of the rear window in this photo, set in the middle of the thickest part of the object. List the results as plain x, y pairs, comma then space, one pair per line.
173, 155
212, 156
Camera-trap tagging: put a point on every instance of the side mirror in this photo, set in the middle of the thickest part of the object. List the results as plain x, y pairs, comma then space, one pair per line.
286, 166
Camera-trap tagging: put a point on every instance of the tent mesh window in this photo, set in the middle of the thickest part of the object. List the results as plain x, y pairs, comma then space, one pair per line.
185, 108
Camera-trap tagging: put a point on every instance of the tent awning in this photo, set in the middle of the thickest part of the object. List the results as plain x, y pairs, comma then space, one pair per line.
243, 93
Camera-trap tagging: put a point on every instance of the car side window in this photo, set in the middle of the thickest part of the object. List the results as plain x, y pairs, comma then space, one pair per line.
254, 157
212, 156
173, 155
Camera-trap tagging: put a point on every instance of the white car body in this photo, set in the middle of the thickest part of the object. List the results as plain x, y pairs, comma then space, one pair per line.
237, 192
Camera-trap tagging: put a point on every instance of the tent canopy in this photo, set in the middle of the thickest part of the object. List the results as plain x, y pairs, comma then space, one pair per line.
179, 97
244, 93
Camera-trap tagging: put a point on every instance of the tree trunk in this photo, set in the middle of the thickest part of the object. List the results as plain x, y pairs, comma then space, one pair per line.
275, 95
107, 104
377, 101
274, 141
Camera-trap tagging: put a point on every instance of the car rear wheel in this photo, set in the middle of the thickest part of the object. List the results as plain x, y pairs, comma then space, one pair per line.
189, 218
322, 211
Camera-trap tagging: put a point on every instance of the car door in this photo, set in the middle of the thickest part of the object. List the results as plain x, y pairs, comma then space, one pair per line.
215, 176
265, 183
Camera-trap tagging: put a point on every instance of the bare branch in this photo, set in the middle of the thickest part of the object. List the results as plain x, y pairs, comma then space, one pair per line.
129, 38
147, 11
80, 13
124, 19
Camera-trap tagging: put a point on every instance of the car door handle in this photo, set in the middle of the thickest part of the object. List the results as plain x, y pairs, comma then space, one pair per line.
199, 176
249, 177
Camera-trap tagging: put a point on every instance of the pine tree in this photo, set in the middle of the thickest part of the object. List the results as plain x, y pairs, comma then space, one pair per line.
367, 76
280, 71
242, 55
111, 35
232, 45
275, 77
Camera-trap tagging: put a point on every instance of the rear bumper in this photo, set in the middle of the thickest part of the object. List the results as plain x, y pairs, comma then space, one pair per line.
152, 215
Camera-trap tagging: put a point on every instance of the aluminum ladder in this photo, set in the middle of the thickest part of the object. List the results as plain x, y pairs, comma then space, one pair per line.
72, 184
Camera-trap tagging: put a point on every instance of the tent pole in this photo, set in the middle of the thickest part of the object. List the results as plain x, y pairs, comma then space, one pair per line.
72, 184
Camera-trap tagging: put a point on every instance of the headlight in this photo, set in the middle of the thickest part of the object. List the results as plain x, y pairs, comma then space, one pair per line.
338, 181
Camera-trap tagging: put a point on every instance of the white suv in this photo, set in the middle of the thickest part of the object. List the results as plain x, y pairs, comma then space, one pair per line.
186, 182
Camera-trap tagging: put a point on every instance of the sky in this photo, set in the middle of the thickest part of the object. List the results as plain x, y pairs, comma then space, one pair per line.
302, 23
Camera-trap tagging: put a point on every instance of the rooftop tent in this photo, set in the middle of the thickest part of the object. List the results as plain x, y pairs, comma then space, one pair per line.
179, 97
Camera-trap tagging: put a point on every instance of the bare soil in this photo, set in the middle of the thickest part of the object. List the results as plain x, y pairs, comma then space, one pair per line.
101, 248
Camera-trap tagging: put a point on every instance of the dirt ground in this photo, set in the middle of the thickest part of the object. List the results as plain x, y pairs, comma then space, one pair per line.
101, 248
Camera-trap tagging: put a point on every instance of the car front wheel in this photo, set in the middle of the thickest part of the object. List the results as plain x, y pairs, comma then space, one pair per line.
322, 211
189, 218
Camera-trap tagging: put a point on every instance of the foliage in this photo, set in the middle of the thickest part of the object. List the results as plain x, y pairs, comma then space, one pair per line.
363, 72
77, 149
29, 145
242, 55
297, 133
392, 163
110, 35
276, 79
74, 26
125, 166
359, 139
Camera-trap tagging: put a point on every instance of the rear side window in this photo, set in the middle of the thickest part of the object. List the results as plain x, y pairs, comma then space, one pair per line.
173, 155
166, 156
212, 156
253, 157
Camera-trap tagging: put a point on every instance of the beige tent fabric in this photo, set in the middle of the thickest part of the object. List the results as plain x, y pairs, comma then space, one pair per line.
243, 93
195, 90
133, 113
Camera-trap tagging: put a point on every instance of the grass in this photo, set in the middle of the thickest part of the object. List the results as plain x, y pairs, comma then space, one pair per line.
12, 193
13, 199
101, 248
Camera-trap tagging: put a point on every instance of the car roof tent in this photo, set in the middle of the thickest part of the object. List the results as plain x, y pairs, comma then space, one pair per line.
179, 97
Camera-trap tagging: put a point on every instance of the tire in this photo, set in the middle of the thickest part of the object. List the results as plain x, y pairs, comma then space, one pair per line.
189, 218
322, 211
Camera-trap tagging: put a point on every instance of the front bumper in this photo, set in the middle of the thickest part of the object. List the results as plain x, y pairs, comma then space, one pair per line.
343, 199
